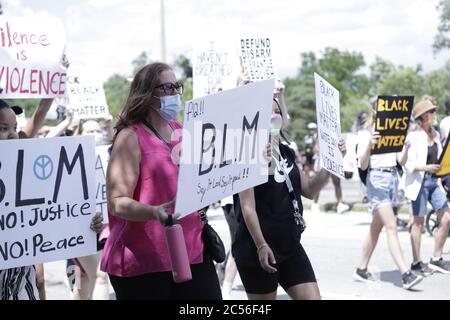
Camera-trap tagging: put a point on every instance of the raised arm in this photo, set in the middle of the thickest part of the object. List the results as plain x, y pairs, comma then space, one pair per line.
248, 206
121, 179
37, 119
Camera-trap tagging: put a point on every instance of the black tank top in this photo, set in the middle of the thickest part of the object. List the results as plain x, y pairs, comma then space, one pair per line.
275, 214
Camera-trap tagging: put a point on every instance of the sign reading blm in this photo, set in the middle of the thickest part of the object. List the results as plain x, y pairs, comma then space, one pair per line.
47, 200
224, 138
328, 126
392, 121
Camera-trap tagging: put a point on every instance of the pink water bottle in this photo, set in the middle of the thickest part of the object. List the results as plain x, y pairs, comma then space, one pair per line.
181, 269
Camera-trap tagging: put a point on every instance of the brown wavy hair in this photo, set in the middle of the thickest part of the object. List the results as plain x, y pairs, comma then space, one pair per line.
136, 107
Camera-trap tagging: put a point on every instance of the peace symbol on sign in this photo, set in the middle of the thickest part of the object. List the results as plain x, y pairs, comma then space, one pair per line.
43, 167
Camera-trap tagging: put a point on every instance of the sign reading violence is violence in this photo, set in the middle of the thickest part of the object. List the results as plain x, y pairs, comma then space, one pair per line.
328, 126
392, 121
256, 58
224, 138
47, 200
31, 53
215, 67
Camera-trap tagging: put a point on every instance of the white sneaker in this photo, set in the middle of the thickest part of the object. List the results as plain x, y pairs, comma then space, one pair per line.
342, 207
315, 208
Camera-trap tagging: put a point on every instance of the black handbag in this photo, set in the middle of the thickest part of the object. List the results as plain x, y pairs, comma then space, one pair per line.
213, 244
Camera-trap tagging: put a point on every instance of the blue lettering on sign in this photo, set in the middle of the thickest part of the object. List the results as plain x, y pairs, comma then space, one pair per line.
43, 167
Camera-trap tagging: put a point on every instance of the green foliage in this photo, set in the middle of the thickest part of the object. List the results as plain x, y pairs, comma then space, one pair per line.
343, 71
116, 91
140, 61
442, 39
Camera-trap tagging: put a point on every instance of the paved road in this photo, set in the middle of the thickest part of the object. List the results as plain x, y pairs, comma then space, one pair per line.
333, 242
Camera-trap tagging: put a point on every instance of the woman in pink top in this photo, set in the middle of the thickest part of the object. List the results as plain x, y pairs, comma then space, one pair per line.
141, 185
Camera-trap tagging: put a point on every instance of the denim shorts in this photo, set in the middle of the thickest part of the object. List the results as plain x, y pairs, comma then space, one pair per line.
382, 188
429, 192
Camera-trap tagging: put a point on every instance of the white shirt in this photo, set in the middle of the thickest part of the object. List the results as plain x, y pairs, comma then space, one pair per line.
445, 127
376, 160
417, 156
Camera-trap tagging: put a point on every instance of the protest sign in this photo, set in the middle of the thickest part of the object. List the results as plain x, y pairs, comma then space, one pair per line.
47, 200
328, 126
31, 52
101, 164
224, 138
86, 98
215, 67
392, 121
444, 161
256, 58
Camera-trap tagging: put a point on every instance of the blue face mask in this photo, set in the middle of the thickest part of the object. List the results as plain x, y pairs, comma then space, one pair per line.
170, 107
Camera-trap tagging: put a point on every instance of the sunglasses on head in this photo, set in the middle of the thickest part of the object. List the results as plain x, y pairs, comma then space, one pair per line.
170, 87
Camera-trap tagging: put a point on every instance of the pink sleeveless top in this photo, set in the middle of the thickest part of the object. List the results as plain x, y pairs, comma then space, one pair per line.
136, 248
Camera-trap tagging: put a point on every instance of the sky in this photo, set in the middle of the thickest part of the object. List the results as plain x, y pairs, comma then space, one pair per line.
104, 36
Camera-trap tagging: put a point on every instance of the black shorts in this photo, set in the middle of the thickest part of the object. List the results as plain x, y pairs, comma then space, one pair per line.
295, 270
160, 285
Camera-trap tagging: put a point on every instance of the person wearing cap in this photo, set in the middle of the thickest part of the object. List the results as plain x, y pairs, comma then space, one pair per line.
422, 186
382, 185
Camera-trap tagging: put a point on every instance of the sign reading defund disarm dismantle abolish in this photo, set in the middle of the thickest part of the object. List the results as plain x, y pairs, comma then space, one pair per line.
392, 121
47, 200
224, 139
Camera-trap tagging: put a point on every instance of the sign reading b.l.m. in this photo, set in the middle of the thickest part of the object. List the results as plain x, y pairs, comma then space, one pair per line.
224, 139
47, 200
392, 122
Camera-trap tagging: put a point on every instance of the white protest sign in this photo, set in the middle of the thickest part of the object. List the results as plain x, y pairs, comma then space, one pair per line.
31, 53
86, 98
47, 200
215, 67
256, 58
101, 164
58, 109
328, 126
224, 138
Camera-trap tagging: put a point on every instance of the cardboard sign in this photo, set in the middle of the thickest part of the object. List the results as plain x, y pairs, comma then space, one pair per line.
47, 200
101, 164
224, 138
215, 68
444, 161
328, 126
31, 53
86, 98
256, 58
392, 121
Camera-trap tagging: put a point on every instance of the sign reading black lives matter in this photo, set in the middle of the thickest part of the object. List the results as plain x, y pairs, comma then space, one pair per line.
47, 200
87, 98
328, 126
256, 59
224, 138
392, 121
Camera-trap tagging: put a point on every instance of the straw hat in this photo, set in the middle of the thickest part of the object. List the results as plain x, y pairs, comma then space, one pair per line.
422, 107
